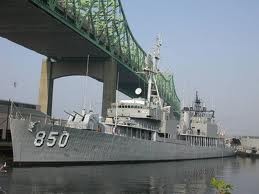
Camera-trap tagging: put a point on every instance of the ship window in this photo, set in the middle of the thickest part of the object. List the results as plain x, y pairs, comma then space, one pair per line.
160, 134
149, 135
142, 134
134, 133
137, 133
129, 132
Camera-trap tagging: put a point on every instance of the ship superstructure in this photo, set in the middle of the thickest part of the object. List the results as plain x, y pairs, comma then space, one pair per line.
198, 125
146, 118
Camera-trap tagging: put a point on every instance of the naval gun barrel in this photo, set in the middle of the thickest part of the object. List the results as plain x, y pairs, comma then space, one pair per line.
68, 113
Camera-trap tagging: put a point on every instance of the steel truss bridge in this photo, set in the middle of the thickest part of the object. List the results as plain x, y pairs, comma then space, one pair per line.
101, 22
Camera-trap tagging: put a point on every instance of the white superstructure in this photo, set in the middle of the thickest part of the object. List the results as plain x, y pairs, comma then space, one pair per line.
198, 125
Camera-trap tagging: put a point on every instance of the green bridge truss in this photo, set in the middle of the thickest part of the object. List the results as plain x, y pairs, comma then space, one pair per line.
103, 23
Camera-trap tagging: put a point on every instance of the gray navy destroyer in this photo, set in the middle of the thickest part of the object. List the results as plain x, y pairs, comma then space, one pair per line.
136, 130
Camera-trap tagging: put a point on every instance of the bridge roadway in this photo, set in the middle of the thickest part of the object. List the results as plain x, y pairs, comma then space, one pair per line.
38, 25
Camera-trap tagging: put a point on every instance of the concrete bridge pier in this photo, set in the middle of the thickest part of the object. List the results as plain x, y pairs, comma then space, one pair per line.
101, 69
109, 85
46, 86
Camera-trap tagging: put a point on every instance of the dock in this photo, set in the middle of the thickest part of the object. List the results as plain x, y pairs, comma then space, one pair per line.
249, 146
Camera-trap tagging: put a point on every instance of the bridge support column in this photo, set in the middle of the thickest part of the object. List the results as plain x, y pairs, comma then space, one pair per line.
109, 84
46, 87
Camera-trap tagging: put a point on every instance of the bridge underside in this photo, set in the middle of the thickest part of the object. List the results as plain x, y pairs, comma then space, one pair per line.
27, 25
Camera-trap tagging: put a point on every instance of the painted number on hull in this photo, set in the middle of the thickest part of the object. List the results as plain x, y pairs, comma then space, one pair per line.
52, 139
39, 140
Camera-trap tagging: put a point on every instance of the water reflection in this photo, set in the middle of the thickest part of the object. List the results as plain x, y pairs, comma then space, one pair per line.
172, 177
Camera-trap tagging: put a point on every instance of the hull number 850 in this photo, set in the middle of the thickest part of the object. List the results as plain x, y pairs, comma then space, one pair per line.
53, 138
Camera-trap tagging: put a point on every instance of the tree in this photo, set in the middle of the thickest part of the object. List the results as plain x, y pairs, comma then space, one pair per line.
221, 186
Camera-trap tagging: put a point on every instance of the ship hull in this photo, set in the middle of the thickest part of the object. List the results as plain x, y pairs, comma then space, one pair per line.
85, 146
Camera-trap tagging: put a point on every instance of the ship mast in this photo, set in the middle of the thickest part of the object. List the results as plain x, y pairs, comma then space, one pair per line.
153, 70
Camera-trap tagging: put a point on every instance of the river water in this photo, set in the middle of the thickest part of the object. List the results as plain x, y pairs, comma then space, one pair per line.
169, 177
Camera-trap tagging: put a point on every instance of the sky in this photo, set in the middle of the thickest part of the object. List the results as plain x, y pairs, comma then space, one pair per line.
209, 46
